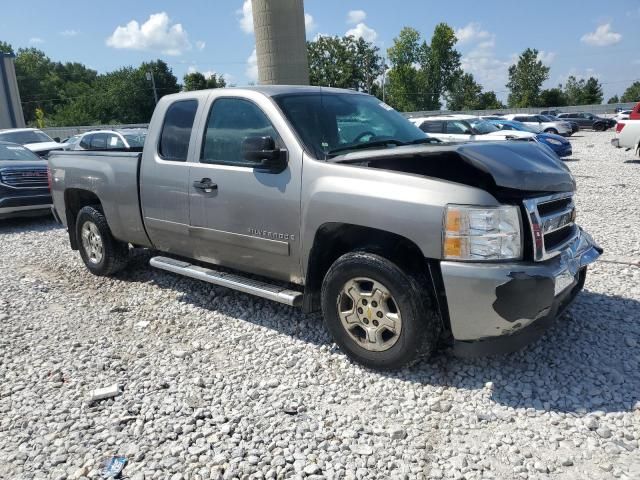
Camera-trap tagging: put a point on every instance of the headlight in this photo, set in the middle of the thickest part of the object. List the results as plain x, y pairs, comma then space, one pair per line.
482, 233
553, 141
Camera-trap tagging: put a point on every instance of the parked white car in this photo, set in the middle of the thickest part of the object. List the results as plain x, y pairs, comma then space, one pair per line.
35, 140
623, 115
124, 139
628, 135
461, 128
542, 123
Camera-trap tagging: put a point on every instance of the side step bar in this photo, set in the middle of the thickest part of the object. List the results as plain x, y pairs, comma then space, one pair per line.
230, 280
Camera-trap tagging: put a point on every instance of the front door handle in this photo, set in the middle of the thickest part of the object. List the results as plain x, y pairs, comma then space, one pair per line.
206, 185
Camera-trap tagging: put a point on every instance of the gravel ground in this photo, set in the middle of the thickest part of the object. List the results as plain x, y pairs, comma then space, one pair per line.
218, 384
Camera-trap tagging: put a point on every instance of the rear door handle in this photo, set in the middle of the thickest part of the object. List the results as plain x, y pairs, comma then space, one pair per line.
206, 185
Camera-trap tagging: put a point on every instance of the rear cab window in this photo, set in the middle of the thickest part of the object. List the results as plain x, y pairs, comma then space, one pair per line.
176, 130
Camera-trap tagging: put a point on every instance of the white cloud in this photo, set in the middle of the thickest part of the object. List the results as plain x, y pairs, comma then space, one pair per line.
201, 44
69, 33
246, 17
546, 57
361, 30
156, 33
309, 23
36, 41
602, 37
252, 67
479, 56
356, 16
472, 32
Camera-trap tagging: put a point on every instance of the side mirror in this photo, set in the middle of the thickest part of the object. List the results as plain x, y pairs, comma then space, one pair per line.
56, 139
262, 152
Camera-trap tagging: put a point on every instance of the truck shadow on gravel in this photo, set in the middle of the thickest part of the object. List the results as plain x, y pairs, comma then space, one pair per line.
588, 361
28, 224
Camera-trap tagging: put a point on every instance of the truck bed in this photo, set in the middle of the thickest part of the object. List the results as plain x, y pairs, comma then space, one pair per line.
113, 177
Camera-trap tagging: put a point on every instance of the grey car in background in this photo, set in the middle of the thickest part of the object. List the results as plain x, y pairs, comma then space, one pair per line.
588, 120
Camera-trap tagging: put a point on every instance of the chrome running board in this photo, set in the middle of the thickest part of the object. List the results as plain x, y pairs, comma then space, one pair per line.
230, 280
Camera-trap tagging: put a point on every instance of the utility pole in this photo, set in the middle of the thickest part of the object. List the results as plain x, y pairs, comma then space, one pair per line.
153, 83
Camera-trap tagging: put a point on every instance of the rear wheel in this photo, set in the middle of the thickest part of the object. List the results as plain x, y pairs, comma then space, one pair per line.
102, 254
377, 313
598, 127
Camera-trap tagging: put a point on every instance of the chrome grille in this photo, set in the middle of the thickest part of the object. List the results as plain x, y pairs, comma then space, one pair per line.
27, 177
552, 222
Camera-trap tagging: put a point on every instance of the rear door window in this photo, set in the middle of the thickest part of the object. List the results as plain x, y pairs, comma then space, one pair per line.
432, 127
99, 141
458, 127
176, 130
114, 142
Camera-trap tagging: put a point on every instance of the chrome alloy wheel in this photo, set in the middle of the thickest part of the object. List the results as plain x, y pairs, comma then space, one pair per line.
369, 314
92, 242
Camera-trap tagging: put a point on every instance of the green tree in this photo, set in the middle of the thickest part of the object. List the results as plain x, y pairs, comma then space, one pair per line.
421, 73
406, 85
613, 100
631, 94
592, 92
197, 81
489, 100
5, 47
344, 62
526, 78
552, 97
464, 93
443, 64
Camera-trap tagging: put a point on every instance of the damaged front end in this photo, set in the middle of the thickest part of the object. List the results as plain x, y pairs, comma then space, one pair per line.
500, 307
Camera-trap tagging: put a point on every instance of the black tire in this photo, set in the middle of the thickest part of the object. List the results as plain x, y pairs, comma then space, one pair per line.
115, 253
598, 127
551, 130
420, 325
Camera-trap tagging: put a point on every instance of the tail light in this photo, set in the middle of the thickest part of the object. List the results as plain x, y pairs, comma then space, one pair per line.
619, 127
49, 179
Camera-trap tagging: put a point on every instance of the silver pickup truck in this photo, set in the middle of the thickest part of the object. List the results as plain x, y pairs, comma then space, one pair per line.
329, 199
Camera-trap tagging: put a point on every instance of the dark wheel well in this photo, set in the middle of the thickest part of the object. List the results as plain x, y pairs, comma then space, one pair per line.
75, 199
335, 239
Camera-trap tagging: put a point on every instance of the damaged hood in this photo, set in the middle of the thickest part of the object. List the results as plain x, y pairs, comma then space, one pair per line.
513, 165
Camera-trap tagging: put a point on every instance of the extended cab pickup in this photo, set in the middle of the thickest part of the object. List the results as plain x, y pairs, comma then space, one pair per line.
627, 135
330, 199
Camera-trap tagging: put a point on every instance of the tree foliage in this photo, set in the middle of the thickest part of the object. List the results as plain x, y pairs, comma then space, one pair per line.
5, 47
583, 92
421, 73
552, 97
631, 94
526, 78
344, 62
613, 100
197, 81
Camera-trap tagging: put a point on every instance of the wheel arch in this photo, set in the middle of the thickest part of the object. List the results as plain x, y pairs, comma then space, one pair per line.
333, 240
74, 200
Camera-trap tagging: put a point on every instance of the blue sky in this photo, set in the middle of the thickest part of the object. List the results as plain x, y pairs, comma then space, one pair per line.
579, 37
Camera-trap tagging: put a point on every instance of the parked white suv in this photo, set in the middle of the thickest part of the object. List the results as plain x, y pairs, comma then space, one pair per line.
130, 139
460, 128
31, 138
542, 123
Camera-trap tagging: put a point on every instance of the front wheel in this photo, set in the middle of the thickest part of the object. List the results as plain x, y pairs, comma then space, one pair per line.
377, 313
551, 130
102, 254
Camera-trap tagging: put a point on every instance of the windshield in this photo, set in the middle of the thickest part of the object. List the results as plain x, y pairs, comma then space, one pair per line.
135, 140
482, 127
16, 152
25, 137
328, 122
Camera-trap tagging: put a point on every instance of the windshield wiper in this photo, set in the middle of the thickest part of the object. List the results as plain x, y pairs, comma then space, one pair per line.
360, 146
424, 140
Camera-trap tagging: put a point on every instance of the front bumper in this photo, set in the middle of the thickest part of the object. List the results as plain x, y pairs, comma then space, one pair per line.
24, 205
499, 307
